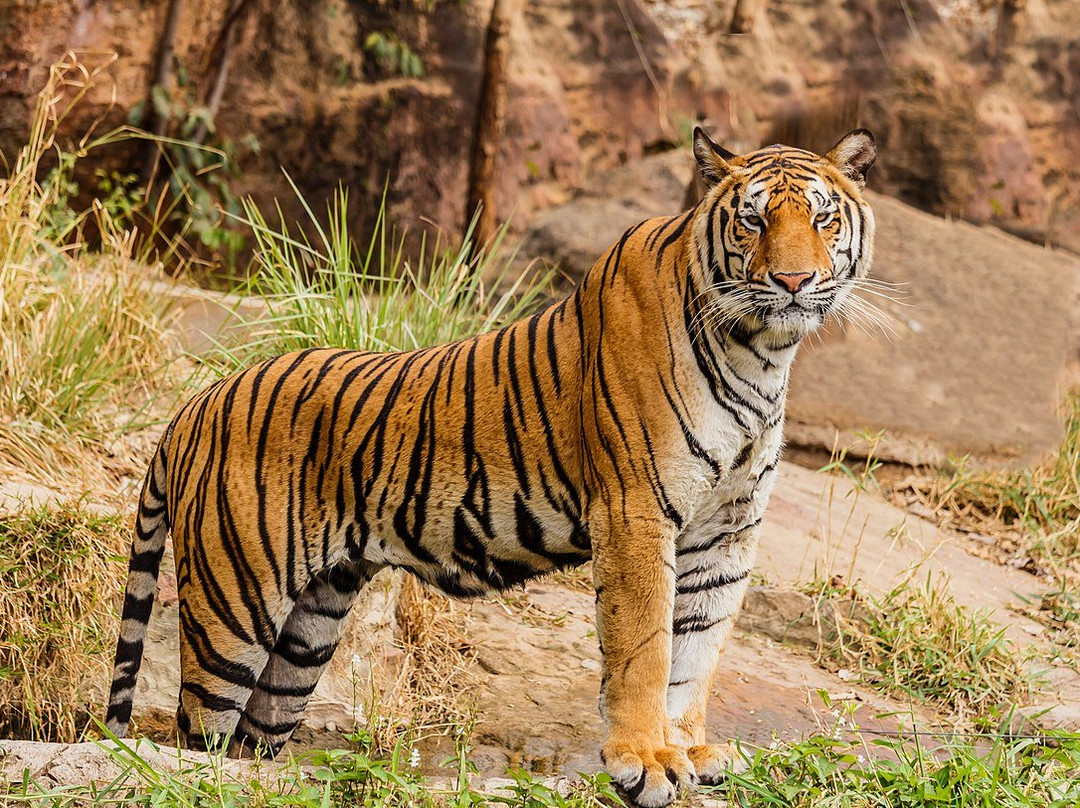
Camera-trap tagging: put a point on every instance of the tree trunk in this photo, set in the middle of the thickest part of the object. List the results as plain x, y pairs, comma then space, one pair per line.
154, 123
220, 56
490, 119
744, 16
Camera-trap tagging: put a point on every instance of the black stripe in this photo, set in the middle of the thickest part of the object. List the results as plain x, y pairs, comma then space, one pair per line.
282, 728
694, 623
296, 651
298, 691
674, 236
717, 539
210, 660
210, 700
712, 583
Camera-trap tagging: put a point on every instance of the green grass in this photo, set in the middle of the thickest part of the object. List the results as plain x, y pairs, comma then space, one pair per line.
339, 777
918, 642
826, 771
61, 575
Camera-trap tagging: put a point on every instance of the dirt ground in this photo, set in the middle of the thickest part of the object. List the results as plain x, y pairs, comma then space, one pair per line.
537, 704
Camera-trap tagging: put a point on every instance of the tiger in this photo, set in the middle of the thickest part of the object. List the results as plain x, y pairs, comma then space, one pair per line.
637, 422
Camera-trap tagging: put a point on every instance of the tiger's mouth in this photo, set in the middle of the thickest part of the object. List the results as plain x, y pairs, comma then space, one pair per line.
796, 316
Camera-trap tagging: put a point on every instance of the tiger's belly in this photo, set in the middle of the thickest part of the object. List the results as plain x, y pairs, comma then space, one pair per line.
467, 551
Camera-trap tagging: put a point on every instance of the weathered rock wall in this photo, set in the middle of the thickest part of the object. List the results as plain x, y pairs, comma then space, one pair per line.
967, 128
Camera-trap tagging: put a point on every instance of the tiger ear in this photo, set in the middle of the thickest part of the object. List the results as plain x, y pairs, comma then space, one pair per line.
712, 158
853, 154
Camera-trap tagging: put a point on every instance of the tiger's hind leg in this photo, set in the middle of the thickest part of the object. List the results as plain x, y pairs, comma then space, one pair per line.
220, 662
303, 649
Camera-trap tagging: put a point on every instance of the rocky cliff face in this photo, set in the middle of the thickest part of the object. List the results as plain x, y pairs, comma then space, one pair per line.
967, 127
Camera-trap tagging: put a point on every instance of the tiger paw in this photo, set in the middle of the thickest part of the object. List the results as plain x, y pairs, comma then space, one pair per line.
713, 762
648, 776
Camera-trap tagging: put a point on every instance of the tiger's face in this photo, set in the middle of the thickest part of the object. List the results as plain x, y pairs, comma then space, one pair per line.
786, 234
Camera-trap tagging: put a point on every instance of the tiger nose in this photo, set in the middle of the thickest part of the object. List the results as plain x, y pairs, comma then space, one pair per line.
792, 281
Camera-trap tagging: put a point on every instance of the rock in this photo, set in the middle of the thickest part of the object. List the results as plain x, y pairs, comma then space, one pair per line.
574, 235
592, 84
303, 85
788, 616
16, 495
52, 765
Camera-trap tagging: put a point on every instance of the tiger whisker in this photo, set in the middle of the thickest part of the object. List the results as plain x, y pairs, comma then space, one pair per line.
882, 294
866, 316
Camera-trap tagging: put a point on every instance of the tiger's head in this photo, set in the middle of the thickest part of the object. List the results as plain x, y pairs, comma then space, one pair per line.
785, 234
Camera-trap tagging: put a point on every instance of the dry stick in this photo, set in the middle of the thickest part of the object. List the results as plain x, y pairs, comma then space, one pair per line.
1010, 19
490, 120
155, 123
220, 57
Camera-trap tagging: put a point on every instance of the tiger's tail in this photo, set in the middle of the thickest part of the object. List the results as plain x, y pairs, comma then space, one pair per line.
151, 528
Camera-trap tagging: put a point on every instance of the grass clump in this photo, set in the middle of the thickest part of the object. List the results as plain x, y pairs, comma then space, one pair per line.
826, 770
79, 347
917, 641
327, 290
62, 570
431, 690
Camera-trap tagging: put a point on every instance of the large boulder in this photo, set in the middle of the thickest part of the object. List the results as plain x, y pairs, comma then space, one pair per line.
979, 334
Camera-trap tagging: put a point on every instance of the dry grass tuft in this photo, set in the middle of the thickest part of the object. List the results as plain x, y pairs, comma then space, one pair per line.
81, 337
576, 579
919, 642
62, 571
431, 692
1030, 517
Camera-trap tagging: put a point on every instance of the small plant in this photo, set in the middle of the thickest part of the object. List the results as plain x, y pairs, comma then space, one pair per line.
862, 475
393, 56
919, 642
61, 575
1058, 611
199, 177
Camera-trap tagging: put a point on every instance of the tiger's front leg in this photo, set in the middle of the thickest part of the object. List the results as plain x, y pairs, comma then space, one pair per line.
713, 576
634, 570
